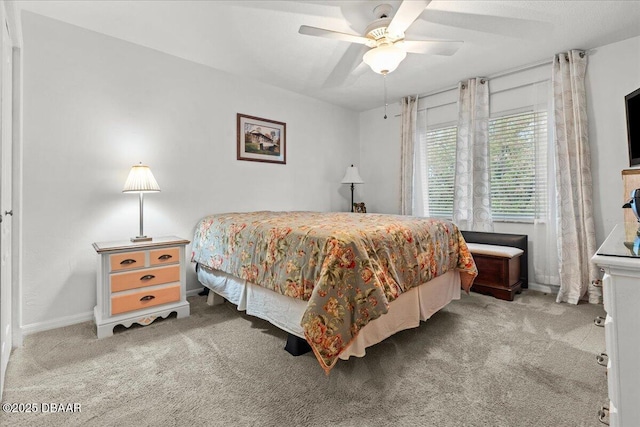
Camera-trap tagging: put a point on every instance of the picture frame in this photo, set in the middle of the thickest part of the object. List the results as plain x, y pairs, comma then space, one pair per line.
261, 140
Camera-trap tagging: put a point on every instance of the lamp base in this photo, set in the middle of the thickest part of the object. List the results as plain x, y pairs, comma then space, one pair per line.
141, 239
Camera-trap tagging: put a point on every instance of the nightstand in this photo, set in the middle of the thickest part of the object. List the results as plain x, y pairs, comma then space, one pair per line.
139, 282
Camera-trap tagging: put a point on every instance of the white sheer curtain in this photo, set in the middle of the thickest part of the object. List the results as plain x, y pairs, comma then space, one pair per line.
576, 229
421, 168
545, 234
409, 117
472, 190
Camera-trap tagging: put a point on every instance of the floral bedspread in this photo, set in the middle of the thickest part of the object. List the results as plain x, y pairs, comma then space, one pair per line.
348, 266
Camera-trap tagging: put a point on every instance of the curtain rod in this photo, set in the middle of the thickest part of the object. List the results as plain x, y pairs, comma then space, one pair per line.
500, 74
492, 93
492, 76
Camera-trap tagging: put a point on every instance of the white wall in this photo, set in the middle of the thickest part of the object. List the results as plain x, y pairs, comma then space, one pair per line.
95, 105
380, 159
613, 71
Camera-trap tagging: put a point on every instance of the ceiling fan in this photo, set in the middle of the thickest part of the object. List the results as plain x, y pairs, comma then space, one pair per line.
385, 37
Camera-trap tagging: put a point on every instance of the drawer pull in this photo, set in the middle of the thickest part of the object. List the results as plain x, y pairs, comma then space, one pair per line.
602, 359
599, 321
147, 298
164, 257
148, 277
127, 261
602, 415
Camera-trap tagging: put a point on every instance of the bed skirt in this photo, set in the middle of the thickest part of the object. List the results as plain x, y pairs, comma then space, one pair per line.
406, 312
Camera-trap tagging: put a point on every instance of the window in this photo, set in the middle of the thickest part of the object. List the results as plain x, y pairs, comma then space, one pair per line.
441, 161
518, 178
516, 175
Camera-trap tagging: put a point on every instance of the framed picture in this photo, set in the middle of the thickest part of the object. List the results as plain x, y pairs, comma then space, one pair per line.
261, 140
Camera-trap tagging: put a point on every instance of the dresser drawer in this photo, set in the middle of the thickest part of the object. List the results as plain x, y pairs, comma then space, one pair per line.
609, 343
144, 299
164, 256
146, 277
613, 415
607, 292
127, 261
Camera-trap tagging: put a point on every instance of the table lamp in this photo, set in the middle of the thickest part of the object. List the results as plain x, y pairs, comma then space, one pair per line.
352, 177
141, 180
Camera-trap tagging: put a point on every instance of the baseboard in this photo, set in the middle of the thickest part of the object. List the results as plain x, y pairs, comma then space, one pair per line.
549, 289
193, 292
88, 316
56, 323
69, 320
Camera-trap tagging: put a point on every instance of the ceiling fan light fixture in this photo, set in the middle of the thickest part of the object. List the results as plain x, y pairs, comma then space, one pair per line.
384, 58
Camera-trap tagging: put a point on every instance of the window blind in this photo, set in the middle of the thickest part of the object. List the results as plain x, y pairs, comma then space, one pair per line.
516, 142
517, 151
441, 160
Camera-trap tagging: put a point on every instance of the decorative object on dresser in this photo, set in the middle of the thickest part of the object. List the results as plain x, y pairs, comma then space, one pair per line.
630, 182
352, 177
501, 260
139, 282
141, 180
621, 297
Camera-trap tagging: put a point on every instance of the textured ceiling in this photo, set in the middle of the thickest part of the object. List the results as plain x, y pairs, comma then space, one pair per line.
260, 40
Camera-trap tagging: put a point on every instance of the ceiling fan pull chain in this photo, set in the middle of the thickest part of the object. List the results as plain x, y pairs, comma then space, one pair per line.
384, 77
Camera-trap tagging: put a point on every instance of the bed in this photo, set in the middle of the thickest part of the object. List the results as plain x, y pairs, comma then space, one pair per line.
341, 281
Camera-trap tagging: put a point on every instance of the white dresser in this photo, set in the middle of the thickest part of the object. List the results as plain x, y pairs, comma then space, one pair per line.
619, 257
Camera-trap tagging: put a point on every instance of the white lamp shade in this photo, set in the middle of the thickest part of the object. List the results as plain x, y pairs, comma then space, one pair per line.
384, 58
352, 176
140, 180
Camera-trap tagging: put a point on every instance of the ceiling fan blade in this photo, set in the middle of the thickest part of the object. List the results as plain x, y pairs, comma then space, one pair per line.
431, 47
408, 12
510, 27
361, 69
346, 66
329, 34
357, 72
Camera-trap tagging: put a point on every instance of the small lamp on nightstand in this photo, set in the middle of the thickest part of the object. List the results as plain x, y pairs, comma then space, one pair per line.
141, 180
352, 177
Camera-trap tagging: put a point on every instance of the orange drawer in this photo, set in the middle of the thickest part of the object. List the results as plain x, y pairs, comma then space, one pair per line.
127, 261
165, 256
144, 299
146, 277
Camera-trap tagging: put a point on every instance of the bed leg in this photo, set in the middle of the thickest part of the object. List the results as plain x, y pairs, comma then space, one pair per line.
214, 299
297, 346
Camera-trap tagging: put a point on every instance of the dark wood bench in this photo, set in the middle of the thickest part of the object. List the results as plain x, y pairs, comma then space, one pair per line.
502, 268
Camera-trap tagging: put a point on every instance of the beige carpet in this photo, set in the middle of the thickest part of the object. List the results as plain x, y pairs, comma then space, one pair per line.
478, 362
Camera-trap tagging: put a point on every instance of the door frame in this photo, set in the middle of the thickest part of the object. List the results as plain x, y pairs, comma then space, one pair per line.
9, 15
